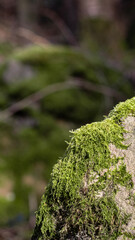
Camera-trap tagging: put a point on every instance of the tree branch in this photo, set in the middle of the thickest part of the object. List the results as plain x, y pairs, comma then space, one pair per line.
105, 90
71, 83
31, 36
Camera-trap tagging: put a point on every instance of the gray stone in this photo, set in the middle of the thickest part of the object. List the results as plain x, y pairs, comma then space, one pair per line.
16, 72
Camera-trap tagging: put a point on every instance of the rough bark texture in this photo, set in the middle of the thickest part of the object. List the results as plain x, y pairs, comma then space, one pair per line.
91, 194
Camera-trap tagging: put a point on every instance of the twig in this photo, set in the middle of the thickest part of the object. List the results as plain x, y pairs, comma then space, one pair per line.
31, 36
105, 90
72, 83
34, 98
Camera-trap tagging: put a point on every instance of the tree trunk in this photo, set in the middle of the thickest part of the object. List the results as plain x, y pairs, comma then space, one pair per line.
27, 13
96, 8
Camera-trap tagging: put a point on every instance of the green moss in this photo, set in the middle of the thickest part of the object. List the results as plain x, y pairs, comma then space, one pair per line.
6, 48
128, 236
69, 205
46, 124
55, 64
122, 177
121, 112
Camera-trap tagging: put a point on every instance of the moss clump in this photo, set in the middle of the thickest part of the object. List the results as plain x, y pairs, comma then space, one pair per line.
73, 205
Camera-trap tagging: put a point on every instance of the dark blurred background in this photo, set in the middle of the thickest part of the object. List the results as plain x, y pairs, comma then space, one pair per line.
63, 63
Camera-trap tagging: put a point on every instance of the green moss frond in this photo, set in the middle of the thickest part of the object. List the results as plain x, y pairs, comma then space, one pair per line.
123, 109
71, 203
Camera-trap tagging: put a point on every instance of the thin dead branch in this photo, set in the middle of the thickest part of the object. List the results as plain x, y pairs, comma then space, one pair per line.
71, 83
33, 37
34, 98
99, 88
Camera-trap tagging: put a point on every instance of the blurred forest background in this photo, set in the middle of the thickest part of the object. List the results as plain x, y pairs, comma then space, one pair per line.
63, 63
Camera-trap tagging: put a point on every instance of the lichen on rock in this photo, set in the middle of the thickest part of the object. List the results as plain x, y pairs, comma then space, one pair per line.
91, 194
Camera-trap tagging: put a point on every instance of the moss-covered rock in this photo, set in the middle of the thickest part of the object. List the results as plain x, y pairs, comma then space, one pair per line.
91, 194
39, 130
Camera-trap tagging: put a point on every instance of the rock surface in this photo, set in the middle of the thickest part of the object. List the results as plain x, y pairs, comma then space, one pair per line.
91, 194
17, 71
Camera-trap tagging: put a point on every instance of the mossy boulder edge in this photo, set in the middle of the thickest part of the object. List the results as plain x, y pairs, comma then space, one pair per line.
91, 194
